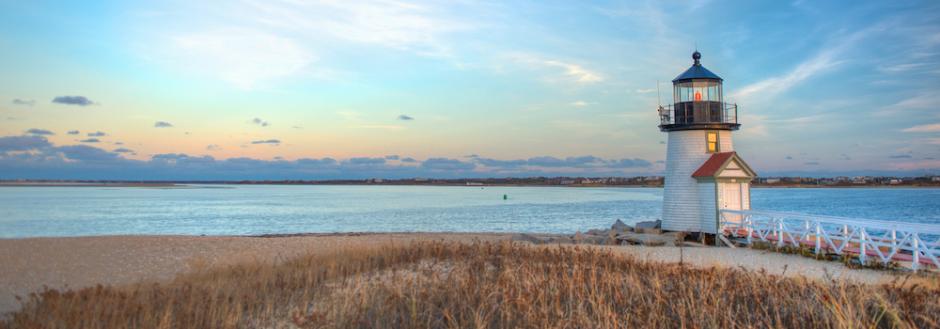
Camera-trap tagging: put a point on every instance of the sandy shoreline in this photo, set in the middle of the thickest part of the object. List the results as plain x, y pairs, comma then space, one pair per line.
26, 265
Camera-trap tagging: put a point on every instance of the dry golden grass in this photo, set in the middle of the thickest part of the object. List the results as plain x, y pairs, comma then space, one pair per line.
482, 285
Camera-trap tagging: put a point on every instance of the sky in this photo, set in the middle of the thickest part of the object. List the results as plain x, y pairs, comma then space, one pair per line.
223, 90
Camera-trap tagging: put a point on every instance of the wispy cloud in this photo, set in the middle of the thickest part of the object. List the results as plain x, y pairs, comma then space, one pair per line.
97, 134
267, 141
260, 122
417, 27
37, 131
73, 132
562, 70
928, 128
162, 124
90, 140
922, 100
580, 103
26, 102
73, 100
827, 58
252, 44
404, 117
242, 57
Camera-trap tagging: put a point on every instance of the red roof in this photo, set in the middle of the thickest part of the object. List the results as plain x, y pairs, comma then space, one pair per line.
713, 164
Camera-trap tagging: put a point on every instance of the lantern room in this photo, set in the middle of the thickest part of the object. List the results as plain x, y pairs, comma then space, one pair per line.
698, 102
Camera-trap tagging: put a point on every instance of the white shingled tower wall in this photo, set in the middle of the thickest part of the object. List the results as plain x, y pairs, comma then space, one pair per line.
685, 152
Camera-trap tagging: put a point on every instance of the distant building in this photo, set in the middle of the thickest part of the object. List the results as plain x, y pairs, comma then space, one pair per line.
895, 181
474, 184
935, 179
772, 180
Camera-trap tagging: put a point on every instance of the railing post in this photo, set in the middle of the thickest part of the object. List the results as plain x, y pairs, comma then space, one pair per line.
916, 253
750, 228
779, 232
861, 246
845, 235
818, 239
894, 242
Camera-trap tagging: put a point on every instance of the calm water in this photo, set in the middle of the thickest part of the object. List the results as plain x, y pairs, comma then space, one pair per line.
238, 210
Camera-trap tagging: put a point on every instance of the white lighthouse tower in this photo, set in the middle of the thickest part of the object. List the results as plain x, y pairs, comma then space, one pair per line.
703, 173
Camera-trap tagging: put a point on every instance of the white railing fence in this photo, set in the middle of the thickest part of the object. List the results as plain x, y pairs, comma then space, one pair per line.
916, 244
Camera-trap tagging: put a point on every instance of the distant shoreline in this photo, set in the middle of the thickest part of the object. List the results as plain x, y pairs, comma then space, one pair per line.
184, 185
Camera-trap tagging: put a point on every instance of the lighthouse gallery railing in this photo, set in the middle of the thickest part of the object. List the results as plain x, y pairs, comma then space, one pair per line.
916, 244
698, 112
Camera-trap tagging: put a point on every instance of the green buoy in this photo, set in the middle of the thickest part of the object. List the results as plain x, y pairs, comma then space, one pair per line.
505, 197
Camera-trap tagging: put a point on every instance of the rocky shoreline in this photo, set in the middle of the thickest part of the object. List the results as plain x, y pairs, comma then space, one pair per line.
647, 233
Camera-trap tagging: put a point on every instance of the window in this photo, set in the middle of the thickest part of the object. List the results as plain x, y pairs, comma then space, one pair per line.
711, 141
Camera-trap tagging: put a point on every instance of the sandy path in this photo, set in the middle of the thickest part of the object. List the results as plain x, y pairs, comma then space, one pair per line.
753, 259
26, 265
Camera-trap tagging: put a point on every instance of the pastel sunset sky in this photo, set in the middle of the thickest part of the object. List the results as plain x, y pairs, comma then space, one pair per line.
349, 89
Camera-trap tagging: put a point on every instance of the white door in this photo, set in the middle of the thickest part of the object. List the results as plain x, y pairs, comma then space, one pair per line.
730, 199
731, 196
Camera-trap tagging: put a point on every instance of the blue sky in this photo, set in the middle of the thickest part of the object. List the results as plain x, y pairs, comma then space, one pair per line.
348, 89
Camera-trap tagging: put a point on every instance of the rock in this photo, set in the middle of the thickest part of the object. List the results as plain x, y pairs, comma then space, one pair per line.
597, 232
642, 227
653, 240
529, 238
595, 239
619, 227
649, 231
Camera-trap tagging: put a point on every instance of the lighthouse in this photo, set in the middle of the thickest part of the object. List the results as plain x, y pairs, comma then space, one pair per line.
703, 172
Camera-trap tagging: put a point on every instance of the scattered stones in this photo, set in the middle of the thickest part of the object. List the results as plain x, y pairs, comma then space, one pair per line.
646, 233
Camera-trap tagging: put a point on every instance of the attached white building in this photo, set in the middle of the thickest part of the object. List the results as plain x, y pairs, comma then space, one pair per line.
703, 173
724, 182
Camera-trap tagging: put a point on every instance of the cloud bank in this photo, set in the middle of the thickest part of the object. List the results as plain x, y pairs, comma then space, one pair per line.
35, 157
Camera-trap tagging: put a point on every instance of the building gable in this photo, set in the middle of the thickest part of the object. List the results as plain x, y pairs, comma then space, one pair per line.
724, 165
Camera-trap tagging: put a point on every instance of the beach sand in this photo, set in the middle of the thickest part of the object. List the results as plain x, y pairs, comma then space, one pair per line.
27, 265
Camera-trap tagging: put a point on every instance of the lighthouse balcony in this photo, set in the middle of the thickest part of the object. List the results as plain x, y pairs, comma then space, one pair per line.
699, 115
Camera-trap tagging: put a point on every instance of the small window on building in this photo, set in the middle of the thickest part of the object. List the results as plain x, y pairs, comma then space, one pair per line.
712, 141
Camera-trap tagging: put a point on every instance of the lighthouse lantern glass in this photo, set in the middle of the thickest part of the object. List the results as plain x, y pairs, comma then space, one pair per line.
698, 91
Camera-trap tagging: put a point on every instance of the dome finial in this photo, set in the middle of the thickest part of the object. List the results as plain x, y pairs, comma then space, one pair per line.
696, 56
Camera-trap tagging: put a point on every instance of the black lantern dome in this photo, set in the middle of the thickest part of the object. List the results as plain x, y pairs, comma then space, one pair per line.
698, 102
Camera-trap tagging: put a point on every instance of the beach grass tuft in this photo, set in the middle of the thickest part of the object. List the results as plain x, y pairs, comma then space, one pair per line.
481, 285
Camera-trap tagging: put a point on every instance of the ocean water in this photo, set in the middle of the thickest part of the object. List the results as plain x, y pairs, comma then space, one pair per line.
253, 209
